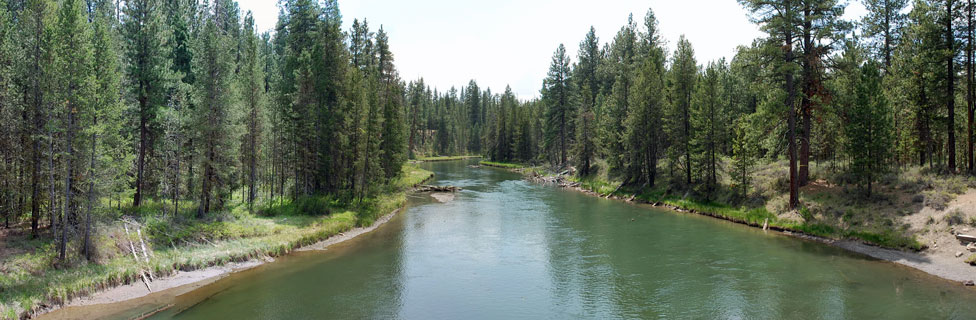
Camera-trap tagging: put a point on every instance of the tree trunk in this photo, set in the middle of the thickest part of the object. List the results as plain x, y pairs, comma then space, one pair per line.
35, 186
687, 138
950, 89
91, 191
176, 183
68, 180
791, 115
806, 104
922, 122
36, 103
969, 84
189, 168
253, 156
143, 136
887, 36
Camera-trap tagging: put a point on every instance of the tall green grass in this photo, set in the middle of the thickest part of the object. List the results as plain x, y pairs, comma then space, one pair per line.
502, 165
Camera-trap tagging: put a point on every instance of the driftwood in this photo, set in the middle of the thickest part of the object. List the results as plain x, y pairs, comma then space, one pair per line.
965, 238
135, 255
614, 191
144, 254
428, 188
142, 244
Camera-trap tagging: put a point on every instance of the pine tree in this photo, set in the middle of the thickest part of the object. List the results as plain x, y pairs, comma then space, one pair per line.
743, 155
587, 88
616, 75
684, 76
394, 143
556, 92
915, 71
779, 20
868, 125
821, 23
707, 112
146, 45
644, 122
75, 78
883, 24
950, 13
585, 146
9, 110
33, 73
970, 37
214, 118
252, 94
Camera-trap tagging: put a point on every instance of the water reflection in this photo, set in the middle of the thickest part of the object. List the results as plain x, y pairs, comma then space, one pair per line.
506, 249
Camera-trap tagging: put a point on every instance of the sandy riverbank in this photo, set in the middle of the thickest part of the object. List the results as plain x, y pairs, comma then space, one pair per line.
186, 281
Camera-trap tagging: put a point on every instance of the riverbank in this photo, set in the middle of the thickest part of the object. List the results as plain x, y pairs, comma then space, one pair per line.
31, 286
915, 244
444, 158
190, 280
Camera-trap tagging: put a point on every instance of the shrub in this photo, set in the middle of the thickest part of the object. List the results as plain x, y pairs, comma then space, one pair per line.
306, 205
953, 218
805, 213
937, 199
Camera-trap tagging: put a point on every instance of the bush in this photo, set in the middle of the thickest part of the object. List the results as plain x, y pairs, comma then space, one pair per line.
955, 217
303, 206
937, 199
805, 213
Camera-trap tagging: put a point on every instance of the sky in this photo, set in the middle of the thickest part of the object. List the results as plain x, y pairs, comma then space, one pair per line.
511, 42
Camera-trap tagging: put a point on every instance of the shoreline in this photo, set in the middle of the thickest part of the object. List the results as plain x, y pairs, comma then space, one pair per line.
230, 257
940, 267
186, 281
948, 270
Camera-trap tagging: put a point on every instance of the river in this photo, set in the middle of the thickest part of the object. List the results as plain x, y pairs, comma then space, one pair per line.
506, 248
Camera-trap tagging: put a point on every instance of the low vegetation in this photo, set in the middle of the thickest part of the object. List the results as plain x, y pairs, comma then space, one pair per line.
31, 279
444, 158
828, 209
502, 165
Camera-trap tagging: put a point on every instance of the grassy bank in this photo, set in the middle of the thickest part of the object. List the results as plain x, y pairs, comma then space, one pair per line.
502, 165
29, 281
830, 212
445, 158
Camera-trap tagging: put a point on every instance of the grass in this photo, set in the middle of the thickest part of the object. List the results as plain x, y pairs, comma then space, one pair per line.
445, 158
502, 165
596, 184
30, 280
753, 210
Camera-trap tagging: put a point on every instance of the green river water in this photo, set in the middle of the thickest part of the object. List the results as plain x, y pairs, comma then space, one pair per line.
510, 249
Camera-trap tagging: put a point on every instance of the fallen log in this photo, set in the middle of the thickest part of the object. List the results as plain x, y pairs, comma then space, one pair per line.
142, 272
965, 238
428, 188
614, 190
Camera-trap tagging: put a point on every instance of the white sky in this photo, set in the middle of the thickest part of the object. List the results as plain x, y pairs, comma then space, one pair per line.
510, 42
